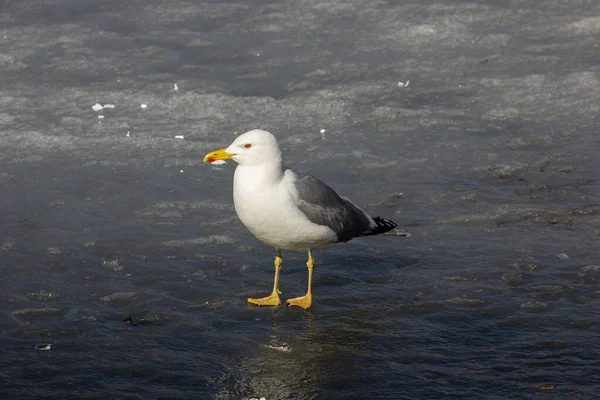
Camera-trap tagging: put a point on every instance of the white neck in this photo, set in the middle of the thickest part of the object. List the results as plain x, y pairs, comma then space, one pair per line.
256, 175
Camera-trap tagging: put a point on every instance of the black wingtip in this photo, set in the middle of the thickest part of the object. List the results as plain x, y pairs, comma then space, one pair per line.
383, 226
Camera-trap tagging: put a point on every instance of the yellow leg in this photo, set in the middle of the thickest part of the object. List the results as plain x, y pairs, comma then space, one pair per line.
273, 298
306, 300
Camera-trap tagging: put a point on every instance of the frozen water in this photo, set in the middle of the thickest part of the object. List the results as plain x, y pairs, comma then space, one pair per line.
488, 158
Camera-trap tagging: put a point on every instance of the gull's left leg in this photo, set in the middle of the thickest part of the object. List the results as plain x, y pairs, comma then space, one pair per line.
306, 300
273, 298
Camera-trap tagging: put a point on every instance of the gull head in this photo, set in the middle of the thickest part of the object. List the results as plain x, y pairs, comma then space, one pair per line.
251, 148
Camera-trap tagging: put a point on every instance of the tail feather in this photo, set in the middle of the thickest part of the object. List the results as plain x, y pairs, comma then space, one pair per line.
382, 226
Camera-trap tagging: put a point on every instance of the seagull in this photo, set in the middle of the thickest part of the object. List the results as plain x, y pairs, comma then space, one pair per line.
287, 210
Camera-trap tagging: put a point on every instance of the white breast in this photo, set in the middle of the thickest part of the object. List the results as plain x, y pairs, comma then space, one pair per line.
264, 203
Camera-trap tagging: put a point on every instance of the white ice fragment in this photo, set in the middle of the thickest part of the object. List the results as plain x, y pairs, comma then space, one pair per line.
97, 107
181, 171
562, 256
44, 346
219, 162
109, 106
100, 116
144, 105
178, 136
115, 265
322, 131
282, 348
175, 87
128, 134
402, 84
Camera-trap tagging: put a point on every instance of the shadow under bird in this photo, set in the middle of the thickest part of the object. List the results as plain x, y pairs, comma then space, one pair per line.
287, 210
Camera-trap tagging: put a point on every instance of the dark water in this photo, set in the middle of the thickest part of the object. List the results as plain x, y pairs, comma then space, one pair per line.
489, 157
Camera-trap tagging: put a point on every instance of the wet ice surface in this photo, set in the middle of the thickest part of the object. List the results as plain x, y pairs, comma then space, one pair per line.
488, 157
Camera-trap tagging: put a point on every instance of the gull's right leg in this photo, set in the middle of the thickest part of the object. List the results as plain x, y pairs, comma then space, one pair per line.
273, 298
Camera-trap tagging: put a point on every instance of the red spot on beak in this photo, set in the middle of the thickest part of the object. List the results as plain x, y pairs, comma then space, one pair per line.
211, 159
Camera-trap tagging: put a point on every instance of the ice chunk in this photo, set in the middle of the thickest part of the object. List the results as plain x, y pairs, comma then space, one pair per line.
283, 347
115, 265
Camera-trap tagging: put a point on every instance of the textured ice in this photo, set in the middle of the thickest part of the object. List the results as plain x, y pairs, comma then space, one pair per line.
213, 240
466, 302
534, 306
546, 288
43, 296
493, 145
587, 26
119, 297
34, 311
115, 265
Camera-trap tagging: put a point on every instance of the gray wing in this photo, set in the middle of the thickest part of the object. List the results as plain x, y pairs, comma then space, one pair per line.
323, 206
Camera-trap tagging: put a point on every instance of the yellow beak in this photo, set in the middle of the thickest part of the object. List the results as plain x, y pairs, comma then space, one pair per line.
218, 155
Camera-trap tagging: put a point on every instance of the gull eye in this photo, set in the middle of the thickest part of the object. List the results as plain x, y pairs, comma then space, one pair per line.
247, 145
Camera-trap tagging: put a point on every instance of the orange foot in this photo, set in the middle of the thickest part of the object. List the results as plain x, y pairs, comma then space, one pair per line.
271, 300
304, 301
